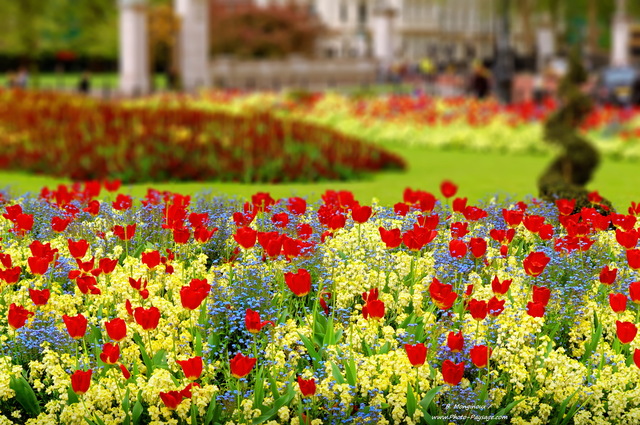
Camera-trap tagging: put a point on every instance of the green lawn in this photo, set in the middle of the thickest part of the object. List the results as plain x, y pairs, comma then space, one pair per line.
69, 80
479, 176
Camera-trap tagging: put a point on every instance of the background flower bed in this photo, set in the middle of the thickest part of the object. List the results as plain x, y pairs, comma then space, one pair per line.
83, 139
567, 365
458, 123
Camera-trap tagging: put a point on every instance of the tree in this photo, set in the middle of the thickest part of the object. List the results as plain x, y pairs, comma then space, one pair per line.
272, 32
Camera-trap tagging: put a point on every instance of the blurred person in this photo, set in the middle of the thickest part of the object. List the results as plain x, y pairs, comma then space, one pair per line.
635, 91
22, 78
84, 85
479, 84
11, 80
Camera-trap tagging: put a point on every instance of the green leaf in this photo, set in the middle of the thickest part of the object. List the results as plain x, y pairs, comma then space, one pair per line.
503, 412
351, 372
137, 412
25, 395
198, 344
337, 375
143, 352
72, 397
281, 401
160, 360
126, 405
258, 389
411, 401
425, 403
311, 349
595, 339
212, 411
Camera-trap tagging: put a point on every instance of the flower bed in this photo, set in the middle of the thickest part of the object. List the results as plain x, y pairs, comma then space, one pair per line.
85, 139
459, 123
208, 311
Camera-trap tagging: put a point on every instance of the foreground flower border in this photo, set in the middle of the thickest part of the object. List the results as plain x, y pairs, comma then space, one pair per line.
203, 310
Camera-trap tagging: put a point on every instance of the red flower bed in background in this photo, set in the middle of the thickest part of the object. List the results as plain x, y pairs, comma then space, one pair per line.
85, 139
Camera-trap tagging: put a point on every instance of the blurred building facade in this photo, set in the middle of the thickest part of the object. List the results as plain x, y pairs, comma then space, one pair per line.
445, 31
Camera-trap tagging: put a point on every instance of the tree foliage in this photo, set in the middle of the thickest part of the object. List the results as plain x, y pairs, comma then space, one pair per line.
272, 32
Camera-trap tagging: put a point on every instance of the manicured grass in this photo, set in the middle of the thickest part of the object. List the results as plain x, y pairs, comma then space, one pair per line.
70, 80
479, 176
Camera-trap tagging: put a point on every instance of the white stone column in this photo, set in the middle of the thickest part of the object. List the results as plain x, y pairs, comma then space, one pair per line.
134, 48
193, 43
546, 46
620, 41
383, 40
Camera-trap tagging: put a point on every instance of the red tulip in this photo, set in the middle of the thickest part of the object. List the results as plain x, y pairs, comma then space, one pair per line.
512, 218
392, 238
241, 365
11, 275
202, 235
181, 235
541, 295
125, 371
480, 355
360, 214
442, 295
80, 381
626, 331
299, 283
533, 223
478, 247
565, 206
38, 265
18, 316
24, 222
147, 318
171, 399
495, 306
636, 357
76, 325
253, 323
448, 189
633, 258
373, 307
5, 260
535, 263
607, 275
192, 368
116, 329
618, 302
122, 202
459, 205
245, 237
280, 220
59, 224
500, 288
457, 248
39, 297
78, 249
93, 207
455, 342
112, 185
125, 233
110, 353
192, 295
107, 265
451, 372
634, 292
417, 354
296, 206
535, 309
150, 259
307, 386
478, 309
627, 240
